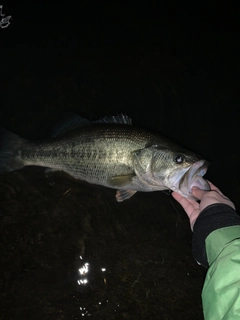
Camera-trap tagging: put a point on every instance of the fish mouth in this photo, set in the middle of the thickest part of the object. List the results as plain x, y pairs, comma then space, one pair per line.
193, 177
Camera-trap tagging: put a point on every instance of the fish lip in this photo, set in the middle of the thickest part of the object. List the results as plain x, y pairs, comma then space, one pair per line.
193, 176
198, 168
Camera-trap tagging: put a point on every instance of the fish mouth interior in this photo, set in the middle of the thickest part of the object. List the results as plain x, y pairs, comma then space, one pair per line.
199, 168
193, 176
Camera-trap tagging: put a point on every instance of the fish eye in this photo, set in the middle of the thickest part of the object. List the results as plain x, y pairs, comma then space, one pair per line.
179, 158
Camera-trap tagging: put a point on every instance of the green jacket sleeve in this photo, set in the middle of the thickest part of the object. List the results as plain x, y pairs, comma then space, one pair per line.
221, 291
216, 244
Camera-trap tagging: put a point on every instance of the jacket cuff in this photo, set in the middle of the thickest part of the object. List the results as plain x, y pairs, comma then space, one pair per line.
213, 217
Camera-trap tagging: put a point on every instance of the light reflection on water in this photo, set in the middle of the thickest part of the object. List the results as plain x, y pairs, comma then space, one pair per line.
84, 312
84, 271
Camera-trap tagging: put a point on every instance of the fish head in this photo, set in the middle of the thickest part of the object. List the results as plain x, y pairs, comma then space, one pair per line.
176, 169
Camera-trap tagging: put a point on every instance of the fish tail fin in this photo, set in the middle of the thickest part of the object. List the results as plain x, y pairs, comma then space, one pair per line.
10, 146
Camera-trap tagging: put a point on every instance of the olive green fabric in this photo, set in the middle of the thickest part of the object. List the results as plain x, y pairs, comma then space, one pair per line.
221, 291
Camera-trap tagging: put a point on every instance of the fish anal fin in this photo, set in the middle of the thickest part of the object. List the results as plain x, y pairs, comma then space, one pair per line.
122, 195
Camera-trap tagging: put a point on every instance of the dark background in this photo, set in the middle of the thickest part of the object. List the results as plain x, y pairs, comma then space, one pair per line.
171, 67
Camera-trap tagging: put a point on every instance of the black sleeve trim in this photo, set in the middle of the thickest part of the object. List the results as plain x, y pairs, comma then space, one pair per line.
213, 217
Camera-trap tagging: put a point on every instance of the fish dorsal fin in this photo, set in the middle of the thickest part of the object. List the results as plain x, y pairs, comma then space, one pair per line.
120, 118
71, 121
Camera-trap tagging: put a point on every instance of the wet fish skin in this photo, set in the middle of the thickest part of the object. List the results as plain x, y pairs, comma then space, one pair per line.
110, 152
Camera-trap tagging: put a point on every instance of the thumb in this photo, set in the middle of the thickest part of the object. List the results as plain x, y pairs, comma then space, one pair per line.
198, 193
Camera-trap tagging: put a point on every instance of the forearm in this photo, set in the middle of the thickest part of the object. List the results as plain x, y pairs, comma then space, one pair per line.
220, 294
216, 243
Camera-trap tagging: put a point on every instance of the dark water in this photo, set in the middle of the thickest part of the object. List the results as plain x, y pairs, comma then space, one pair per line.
69, 250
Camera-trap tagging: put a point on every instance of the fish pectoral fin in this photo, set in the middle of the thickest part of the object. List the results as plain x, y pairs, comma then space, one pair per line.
121, 181
122, 195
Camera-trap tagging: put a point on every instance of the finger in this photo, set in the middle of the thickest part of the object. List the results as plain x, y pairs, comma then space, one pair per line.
177, 196
198, 193
213, 187
182, 200
188, 205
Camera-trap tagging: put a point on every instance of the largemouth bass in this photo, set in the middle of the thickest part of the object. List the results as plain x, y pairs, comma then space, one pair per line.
110, 152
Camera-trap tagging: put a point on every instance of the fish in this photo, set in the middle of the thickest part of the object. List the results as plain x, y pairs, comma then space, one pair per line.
111, 152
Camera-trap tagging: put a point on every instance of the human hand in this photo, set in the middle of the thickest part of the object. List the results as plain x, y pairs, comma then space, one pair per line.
193, 208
